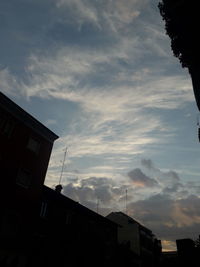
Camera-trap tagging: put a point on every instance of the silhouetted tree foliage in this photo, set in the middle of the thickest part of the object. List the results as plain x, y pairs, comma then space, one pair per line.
181, 23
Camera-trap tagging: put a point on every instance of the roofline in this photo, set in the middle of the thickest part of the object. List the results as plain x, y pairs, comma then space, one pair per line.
125, 215
65, 198
139, 224
19, 113
169, 252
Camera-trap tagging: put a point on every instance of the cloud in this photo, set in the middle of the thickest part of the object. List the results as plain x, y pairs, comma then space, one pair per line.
148, 164
113, 15
108, 63
82, 10
88, 192
9, 82
173, 189
169, 180
168, 245
90, 189
78, 193
169, 218
69, 75
105, 109
50, 122
180, 218
174, 176
171, 212
190, 207
140, 179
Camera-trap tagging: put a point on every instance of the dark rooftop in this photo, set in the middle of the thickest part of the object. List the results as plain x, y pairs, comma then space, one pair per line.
20, 114
63, 200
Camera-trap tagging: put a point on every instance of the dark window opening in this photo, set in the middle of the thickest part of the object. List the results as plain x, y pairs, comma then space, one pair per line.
68, 218
43, 210
2, 121
33, 145
23, 178
6, 125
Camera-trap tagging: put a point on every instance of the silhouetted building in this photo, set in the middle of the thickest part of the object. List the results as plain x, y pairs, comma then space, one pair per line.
139, 239
41, 227
186, 252
169, 258
70, 234
25, 148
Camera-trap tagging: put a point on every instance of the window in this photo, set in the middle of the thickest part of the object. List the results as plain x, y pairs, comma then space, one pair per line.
8, 129
9, 223
2, 121
24, 178
33, 145
43, 210
68, 218
6, 125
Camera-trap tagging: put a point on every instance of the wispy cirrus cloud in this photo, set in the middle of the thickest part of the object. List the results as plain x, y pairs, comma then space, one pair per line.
109, 68
116, 100
105, 13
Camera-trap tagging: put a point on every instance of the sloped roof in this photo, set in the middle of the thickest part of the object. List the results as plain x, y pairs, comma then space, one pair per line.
16, 111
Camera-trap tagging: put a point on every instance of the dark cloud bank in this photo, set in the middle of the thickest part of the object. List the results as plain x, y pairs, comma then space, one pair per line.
140, 179
171, 211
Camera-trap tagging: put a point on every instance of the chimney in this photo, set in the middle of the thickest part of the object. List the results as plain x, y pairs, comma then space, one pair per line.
58, 188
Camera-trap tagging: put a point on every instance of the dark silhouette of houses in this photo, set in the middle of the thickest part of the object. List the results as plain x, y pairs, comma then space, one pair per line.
186, 250
25, 148
41, 227
70, 234
187, 254
169, 258
144, 246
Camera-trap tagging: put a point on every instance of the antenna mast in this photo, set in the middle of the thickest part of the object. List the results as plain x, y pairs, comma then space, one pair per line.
126, 203
61, 174
198, 125
97, 205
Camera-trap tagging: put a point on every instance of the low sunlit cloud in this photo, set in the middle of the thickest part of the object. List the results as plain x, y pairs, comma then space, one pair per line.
168, 245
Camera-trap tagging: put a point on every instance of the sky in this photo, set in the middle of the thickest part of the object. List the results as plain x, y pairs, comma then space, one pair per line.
102, 76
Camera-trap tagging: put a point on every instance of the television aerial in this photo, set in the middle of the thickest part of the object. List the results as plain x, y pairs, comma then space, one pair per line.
58, 188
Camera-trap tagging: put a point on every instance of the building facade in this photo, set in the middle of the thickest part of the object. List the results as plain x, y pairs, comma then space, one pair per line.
188, 254
39, 226
70, 234
25, 149
146, 248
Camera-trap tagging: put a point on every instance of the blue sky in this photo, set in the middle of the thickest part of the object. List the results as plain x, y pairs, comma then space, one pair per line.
102, 76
